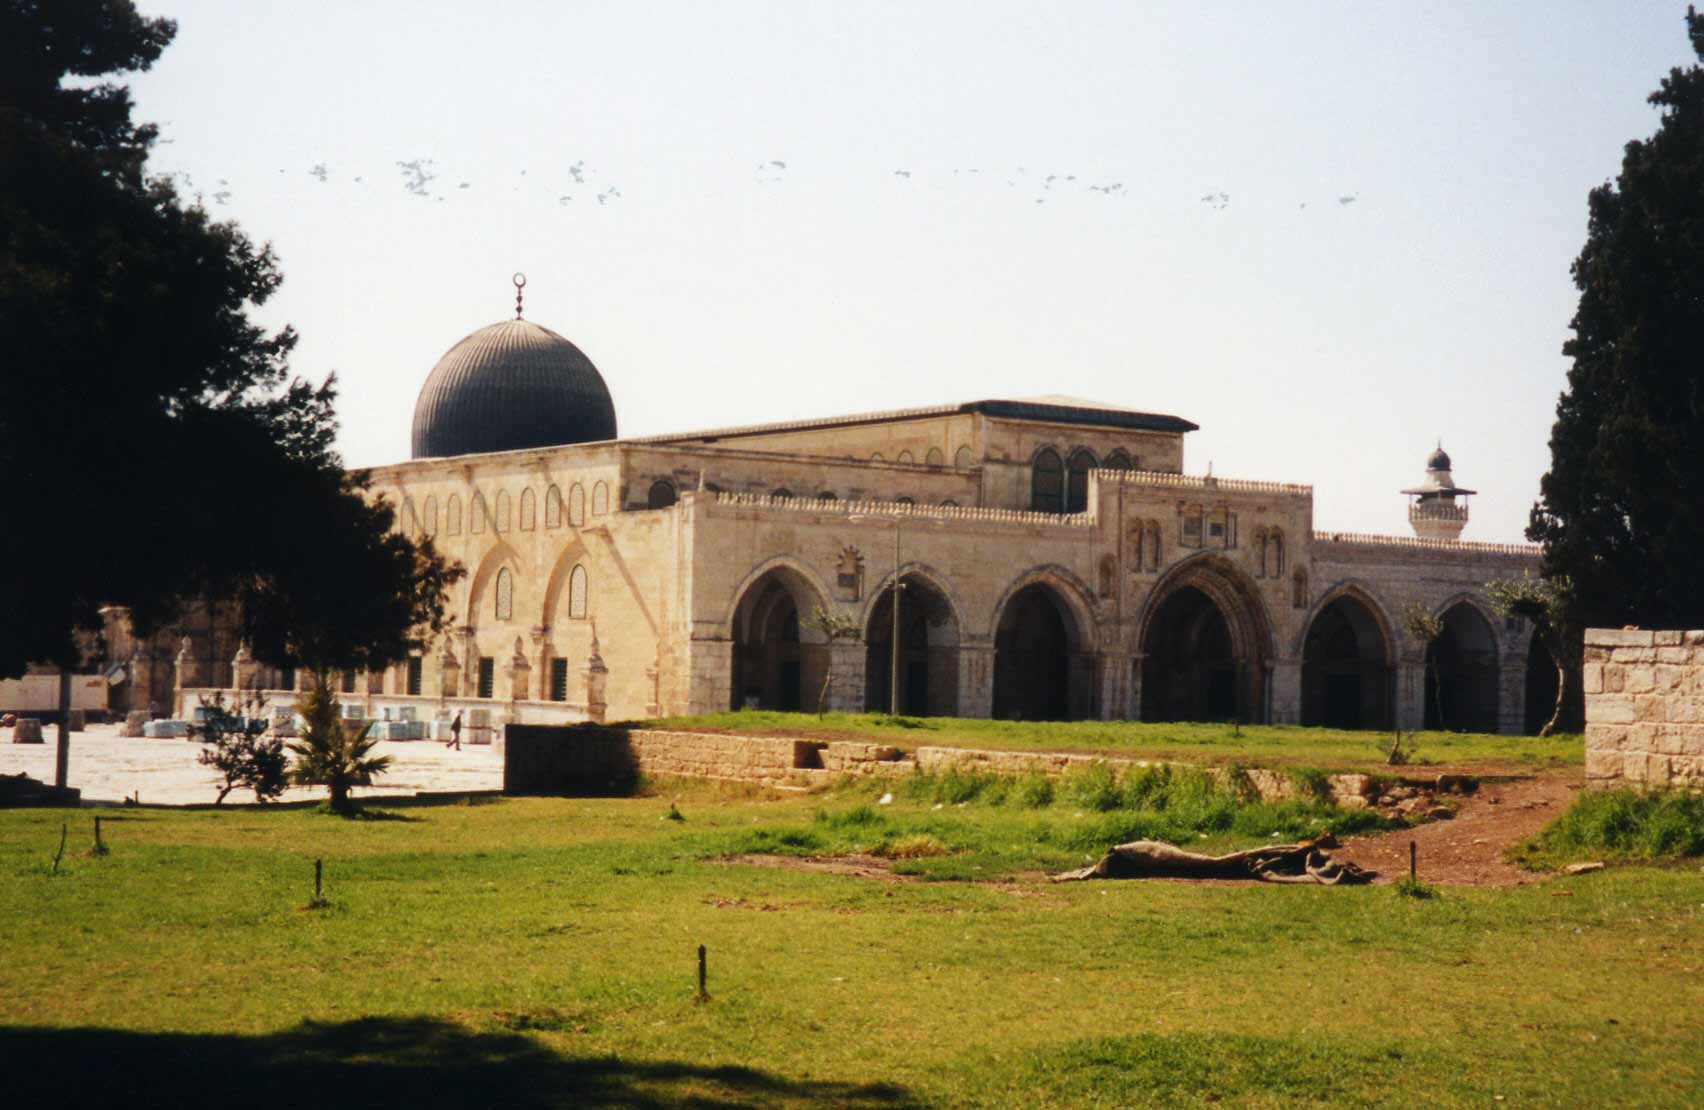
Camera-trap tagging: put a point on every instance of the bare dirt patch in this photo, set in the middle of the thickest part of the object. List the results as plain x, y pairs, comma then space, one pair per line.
861, 866
1467, 850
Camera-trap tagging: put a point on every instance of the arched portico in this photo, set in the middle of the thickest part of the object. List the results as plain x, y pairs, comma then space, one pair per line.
1042, 670
928, 649
1461, 672
778, 660
1206, 644
1348, 664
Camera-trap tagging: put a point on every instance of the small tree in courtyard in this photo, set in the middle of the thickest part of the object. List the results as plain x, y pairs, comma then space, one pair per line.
239, 752
329, 753
835, 626
1425, 629
1549, 604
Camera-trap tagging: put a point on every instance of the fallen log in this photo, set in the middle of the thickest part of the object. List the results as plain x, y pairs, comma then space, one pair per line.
1305, 862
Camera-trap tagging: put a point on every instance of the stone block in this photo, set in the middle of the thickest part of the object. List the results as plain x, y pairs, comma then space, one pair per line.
1619, 637
1601, 737
1648, 707
1640, 680
1634, 654
27, 731
1614, 678
1662, 638
1591, 678
1603, 766
1610, 709
1674, 655
1693, 637
134, 722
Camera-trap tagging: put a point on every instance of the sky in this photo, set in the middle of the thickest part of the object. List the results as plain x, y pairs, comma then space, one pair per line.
1331, 234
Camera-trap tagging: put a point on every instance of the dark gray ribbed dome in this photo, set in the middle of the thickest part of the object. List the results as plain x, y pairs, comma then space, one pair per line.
1438, 460
508, 387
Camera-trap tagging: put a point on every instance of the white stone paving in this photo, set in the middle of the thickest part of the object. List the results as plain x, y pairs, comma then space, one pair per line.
108, 767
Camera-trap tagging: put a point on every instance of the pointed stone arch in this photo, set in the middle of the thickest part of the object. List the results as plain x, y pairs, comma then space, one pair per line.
777, 661
1348, 647
1206, 645
481, 582
554, 603
931, 630
1462, 668
1044, 641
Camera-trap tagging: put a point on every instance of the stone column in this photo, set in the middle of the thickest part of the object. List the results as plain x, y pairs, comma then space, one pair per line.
449, 673
1134, 712
520, 675
976, 679
710, 687
846, 660
541, 653
1411, 692
242, 669
1114, 686
597, 681
1285, 692
141, 678
188, 672
1511, 698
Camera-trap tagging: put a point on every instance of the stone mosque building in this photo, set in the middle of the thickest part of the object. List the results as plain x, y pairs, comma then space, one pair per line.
1054, 561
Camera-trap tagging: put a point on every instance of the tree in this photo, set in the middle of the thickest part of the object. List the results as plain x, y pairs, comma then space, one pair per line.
1549, 604
1426, 630
238, 750
1621, 510
835, 626
137, 395
331, 754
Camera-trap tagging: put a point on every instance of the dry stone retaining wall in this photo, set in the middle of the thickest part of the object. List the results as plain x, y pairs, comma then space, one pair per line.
548, 759
1644, 708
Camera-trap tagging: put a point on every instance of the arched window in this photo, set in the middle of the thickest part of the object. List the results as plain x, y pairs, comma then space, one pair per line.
452, 515
431, 521
529, 510
1137, 534
712, 487
505, 594
1260, 553
949, 503
410, 523
600, 499
877, 457
827, 495
576, 505
1047, 482
476, 514
1275, 553
1299, 590
962, 457
904, 457
935, 457
577, 593
1108, 576
1119, 460
502, 510
1077, 486
1153, 545
662, 494
781, 494
553, 508
903, 500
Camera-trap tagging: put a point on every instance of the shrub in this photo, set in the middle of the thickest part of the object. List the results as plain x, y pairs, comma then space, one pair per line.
1033, 791
910, 847
1621, 824
1092, 786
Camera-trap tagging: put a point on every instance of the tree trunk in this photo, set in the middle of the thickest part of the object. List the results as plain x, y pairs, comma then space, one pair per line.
62, 752
822, 698
1564, 672
340, 798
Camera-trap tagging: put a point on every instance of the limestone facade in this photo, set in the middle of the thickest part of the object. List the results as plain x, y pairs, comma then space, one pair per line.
1055, 562
1644, 708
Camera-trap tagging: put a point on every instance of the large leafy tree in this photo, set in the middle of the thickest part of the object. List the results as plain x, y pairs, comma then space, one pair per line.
1621, 512
153, 445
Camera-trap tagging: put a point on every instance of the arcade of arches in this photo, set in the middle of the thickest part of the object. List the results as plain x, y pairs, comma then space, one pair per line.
1348, 673
1040, 672
776, 663
928, 652
1461, 673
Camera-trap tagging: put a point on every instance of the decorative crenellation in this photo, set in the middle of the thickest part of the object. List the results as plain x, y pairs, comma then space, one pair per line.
1415, 543
1644, 708
901, 508
1200, 481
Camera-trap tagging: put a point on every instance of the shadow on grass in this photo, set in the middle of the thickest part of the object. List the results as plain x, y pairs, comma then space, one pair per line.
412, 1062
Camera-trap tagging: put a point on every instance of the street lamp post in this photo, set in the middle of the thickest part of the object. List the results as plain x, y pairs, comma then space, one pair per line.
893, 662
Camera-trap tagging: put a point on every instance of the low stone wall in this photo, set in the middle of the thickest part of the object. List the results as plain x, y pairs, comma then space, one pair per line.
1644, 708
582, 759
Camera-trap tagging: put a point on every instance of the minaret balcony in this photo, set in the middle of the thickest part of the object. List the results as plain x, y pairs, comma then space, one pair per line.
1437, 510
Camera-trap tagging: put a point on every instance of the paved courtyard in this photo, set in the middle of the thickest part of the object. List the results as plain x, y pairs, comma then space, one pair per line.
108, 767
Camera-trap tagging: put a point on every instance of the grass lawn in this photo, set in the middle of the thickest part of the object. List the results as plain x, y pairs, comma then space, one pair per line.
541, 952
1252, 745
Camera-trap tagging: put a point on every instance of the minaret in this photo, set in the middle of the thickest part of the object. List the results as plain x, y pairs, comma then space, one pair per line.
1435, 511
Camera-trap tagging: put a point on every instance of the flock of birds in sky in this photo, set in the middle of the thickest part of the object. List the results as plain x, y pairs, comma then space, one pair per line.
420, 177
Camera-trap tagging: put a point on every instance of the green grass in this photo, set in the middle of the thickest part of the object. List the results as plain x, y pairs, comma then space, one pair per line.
542, 952
1619, 826
1184, 742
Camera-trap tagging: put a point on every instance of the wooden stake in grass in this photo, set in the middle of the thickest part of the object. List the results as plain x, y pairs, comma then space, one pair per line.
319, 902
703, 995
1413, 861
100, 848
64, 831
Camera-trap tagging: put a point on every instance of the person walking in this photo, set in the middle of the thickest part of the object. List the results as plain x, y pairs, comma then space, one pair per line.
455, 733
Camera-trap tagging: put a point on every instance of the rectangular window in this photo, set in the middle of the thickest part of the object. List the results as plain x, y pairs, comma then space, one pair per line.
348, 682
414, 668
559, 680
487, 676
1230, 530
1190, 530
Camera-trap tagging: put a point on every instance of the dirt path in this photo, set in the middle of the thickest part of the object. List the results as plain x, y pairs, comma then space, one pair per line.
1468, 849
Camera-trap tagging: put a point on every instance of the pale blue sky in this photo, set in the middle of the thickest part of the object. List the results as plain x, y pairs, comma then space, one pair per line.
1329, 344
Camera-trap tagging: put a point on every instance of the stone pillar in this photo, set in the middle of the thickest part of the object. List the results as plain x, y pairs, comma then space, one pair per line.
1411, 693
1284, 686
1114, 680
520, 673
846, 659
1134, 711
542, 649
976, 679
187, 674
449, 673
242, 669
1511, 698
142, 667
710, 687
597, 681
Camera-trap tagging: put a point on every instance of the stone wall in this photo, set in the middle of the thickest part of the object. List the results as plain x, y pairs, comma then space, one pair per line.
1644, 708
